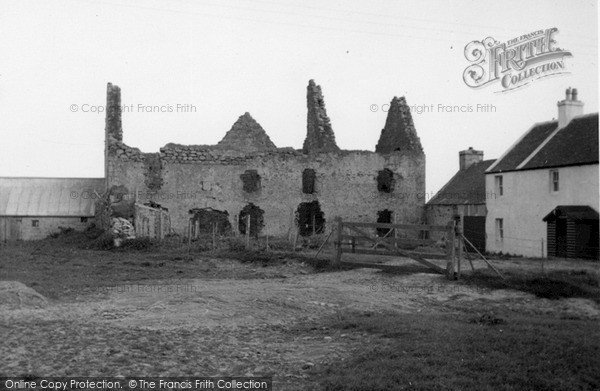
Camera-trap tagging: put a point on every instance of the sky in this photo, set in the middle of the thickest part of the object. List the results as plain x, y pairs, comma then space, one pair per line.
204, 63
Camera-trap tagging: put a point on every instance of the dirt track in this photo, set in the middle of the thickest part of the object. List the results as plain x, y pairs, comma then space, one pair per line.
235, 327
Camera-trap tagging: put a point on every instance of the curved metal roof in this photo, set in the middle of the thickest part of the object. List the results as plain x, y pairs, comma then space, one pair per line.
49, 196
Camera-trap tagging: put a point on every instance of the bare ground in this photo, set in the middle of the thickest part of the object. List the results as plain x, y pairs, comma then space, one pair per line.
266, 325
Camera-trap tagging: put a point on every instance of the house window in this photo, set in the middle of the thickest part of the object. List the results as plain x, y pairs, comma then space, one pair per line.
499, 230
499, 185
35, 223
553, 180
84, 219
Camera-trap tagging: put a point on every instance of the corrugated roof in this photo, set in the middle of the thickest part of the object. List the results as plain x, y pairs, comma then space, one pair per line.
465, 187
575, 212
49, 196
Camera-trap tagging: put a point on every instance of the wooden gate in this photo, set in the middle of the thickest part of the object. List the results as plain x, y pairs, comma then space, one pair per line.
393, 244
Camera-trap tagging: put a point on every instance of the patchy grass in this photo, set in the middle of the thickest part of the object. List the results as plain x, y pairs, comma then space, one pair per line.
553, 285
434, 349
442, 352
270, 258
63, 266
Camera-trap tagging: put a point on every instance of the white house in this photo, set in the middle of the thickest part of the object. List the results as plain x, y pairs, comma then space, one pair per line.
546, 188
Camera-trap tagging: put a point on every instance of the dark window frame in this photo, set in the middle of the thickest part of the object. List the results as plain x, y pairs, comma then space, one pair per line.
385, 181
251, 181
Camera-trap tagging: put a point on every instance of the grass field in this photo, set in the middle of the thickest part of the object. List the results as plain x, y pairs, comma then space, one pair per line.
286, 315
454, 352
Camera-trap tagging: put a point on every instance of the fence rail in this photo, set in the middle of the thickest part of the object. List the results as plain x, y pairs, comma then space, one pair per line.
393, 246
420, 227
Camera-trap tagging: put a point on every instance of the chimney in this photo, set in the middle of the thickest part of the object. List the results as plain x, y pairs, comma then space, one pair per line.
569, 107
113, 128
469, 157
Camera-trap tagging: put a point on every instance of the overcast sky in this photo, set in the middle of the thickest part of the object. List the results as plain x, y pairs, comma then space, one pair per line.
229, 57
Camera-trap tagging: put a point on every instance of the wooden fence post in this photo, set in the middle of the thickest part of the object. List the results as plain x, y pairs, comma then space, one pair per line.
159, 225
190, 235
214, 237
248, 232
460, 249
450, 242
395, 231
337, 260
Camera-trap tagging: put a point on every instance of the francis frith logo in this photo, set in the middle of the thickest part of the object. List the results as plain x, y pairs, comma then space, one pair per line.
516, 62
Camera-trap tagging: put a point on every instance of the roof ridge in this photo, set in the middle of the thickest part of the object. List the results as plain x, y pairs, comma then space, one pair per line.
542, 145
517, 142
460, 178
440, 191
583, 116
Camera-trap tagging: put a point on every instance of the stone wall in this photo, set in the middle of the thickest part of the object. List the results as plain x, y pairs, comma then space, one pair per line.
150, 222
319, 133
346, 186
185, 178
442, 214
439, 215
246, 135
399, 133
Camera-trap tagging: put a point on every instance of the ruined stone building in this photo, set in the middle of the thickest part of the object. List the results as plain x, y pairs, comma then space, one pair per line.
281, 189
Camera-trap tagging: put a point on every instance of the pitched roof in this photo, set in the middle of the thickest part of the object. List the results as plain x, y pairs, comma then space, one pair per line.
545, 146
524, 147
575, 212
576, 143
49, 196
465, 187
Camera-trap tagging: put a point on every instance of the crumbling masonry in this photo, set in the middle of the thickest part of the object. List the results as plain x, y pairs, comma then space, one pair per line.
319, 134
291, 190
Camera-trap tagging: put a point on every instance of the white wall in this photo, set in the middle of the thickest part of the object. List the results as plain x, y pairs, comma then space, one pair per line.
527, 199
21, 228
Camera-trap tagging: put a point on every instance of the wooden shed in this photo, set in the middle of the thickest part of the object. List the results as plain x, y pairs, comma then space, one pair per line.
572, 232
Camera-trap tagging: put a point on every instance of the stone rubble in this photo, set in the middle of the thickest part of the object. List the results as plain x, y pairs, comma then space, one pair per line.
122, 228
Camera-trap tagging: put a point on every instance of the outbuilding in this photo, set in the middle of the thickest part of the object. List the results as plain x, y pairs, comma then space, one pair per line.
33, 208
572, 232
